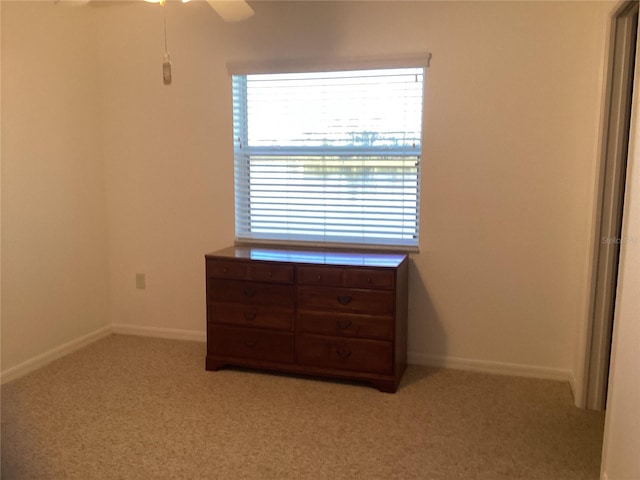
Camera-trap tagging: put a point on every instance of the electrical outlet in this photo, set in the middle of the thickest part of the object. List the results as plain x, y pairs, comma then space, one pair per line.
140, 281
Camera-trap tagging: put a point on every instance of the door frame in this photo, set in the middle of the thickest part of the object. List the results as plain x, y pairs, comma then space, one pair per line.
609, 207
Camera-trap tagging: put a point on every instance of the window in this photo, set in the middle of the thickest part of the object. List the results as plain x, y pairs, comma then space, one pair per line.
329, 157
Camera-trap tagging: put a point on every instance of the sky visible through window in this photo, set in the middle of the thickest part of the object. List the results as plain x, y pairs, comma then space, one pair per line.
383, 108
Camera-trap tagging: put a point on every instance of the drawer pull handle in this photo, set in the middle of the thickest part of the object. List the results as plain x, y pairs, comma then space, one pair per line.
249, 292
344, 299
343, 353
319, 277
225, 270
249, 316
250, 343
344, 324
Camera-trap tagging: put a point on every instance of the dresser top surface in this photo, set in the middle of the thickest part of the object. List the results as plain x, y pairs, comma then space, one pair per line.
311, 256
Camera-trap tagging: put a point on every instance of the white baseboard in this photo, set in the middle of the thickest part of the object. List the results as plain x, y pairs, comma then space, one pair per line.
172, 333
482, 366
573, 384
577, 389
487, 366
41, 360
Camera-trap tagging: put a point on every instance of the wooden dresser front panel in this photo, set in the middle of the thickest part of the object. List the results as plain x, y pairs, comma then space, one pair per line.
346, 277
227, 269
254, 293
251, 343
346, 325
262, 316
345, 353
246, 270
373, 302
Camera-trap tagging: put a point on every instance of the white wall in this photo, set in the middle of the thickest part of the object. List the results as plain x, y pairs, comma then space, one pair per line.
512, 111
54, 257
620, 459
170, 192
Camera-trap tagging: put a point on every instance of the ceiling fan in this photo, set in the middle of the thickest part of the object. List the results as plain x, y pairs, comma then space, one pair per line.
229, 11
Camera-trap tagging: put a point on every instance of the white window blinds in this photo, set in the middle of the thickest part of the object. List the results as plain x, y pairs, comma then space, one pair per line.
329, 157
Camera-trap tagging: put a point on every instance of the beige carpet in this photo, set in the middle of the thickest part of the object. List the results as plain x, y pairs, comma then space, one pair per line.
141, 408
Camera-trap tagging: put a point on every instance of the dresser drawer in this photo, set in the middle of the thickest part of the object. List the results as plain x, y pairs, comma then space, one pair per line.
271, 273
344, 354
227, 269
347, 325
331, 276
250, 315
369, 278
252, 293
354, 277
341, 300
250, 343
241, 270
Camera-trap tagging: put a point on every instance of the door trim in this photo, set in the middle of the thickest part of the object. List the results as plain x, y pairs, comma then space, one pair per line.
610, 197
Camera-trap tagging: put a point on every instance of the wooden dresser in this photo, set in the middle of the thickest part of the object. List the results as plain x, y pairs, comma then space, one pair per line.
329, 313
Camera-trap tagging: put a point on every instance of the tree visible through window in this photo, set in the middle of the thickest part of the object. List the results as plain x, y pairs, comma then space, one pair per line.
329, 157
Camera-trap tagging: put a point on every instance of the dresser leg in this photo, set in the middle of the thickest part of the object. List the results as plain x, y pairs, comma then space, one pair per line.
213, 365
387, 386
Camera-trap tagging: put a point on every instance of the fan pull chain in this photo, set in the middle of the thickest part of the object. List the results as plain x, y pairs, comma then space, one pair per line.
166, 62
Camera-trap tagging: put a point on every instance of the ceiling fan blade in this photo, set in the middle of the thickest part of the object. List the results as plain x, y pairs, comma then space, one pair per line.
75, 3
231, 10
